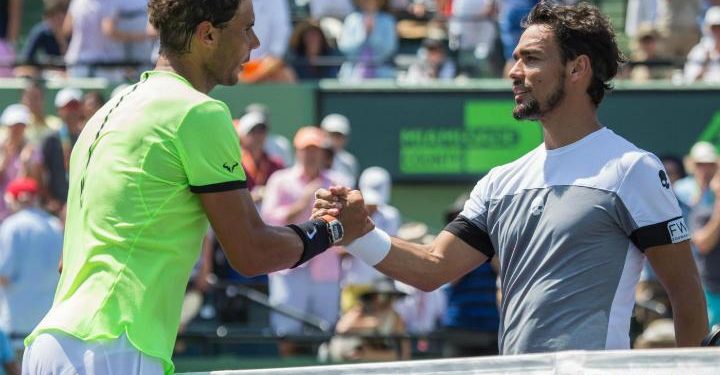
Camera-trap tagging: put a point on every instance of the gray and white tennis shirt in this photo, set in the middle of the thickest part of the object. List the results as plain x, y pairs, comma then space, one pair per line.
570, 226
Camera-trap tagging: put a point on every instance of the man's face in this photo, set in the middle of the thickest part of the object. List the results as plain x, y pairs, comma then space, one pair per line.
16, 131
235, 41
338, 140
704, 172
311, 157
715, 31
538, 74
72, 115
33, 98
255, 138
436, 56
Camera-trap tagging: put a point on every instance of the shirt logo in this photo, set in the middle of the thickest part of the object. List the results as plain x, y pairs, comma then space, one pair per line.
230, 168
537, 206
664, 179
678, 230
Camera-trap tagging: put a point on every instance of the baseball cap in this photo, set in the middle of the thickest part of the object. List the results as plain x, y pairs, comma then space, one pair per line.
15, 114
66, 96
311, 136
21, 186
336, 123
703, 152
712, 16
374, 185
248, 122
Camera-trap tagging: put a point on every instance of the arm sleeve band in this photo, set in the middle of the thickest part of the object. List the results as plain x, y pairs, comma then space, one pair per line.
315, 237
465, 230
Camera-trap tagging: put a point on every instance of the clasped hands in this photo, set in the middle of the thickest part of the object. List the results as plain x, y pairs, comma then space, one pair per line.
347, 206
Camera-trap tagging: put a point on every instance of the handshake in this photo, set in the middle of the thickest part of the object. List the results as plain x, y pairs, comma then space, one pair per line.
348, 207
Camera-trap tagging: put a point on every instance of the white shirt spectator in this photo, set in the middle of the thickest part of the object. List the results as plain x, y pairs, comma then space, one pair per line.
470, 28
420, 310
330, 8
272, 27
30, 246
88, 43
132, 17
703, 62
640, 12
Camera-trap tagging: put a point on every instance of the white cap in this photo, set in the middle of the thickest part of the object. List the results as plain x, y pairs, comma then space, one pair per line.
249, 121
375, 184
712, 16
66, 96
413, 231
336, 123
15, 114
703, 152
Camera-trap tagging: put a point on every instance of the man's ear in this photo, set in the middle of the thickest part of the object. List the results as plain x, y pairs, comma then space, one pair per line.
205, 33
580, 68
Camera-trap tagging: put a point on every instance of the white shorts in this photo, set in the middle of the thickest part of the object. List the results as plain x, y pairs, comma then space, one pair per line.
59, 354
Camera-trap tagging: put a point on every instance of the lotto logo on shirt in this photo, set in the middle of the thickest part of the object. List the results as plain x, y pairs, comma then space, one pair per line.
678, 230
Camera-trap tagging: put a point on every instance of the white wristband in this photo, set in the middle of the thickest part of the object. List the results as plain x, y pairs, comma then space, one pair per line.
371, 248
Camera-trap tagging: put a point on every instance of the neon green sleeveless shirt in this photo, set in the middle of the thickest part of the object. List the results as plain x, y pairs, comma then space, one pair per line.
134, 219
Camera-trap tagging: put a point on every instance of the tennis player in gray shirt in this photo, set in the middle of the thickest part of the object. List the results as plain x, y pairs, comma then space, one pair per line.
571, 221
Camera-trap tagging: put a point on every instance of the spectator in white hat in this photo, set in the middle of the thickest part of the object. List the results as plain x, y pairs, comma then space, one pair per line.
703, 61
57, 147
276, 145
15, 152
252, 130
702, 161
700, 191
338, 126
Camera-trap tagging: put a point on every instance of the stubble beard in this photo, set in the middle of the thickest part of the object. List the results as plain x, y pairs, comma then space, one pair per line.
532, 110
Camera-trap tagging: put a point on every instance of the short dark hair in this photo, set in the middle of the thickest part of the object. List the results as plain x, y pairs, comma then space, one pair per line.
582, 30
51, 7
176, 20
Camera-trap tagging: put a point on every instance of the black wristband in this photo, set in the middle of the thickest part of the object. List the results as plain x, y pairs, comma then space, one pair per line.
315, 237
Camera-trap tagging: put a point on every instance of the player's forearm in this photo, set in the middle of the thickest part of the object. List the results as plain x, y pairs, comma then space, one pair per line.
413, 264
689, 314
266, 249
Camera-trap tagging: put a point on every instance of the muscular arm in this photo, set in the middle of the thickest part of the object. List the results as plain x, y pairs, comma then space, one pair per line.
251, 246
428, 267
675, 268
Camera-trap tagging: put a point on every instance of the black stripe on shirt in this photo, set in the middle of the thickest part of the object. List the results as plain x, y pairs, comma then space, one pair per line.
220, 187
465, 230
664, 233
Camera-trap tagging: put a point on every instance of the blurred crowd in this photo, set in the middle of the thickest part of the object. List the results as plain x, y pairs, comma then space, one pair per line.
411, 41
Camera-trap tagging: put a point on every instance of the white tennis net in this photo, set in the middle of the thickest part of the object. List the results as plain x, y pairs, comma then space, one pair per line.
704, 361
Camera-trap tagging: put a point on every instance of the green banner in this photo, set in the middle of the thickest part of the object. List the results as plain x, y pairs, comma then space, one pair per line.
489, 137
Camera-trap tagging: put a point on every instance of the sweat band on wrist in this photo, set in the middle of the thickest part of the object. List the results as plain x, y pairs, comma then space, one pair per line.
371, 248
315, 237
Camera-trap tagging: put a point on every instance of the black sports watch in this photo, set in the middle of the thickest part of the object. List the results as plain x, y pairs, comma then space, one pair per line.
335, 228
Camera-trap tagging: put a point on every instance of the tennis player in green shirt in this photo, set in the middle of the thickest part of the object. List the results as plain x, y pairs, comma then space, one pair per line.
148, 171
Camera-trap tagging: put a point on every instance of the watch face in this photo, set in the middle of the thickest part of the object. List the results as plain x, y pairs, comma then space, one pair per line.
336, 231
